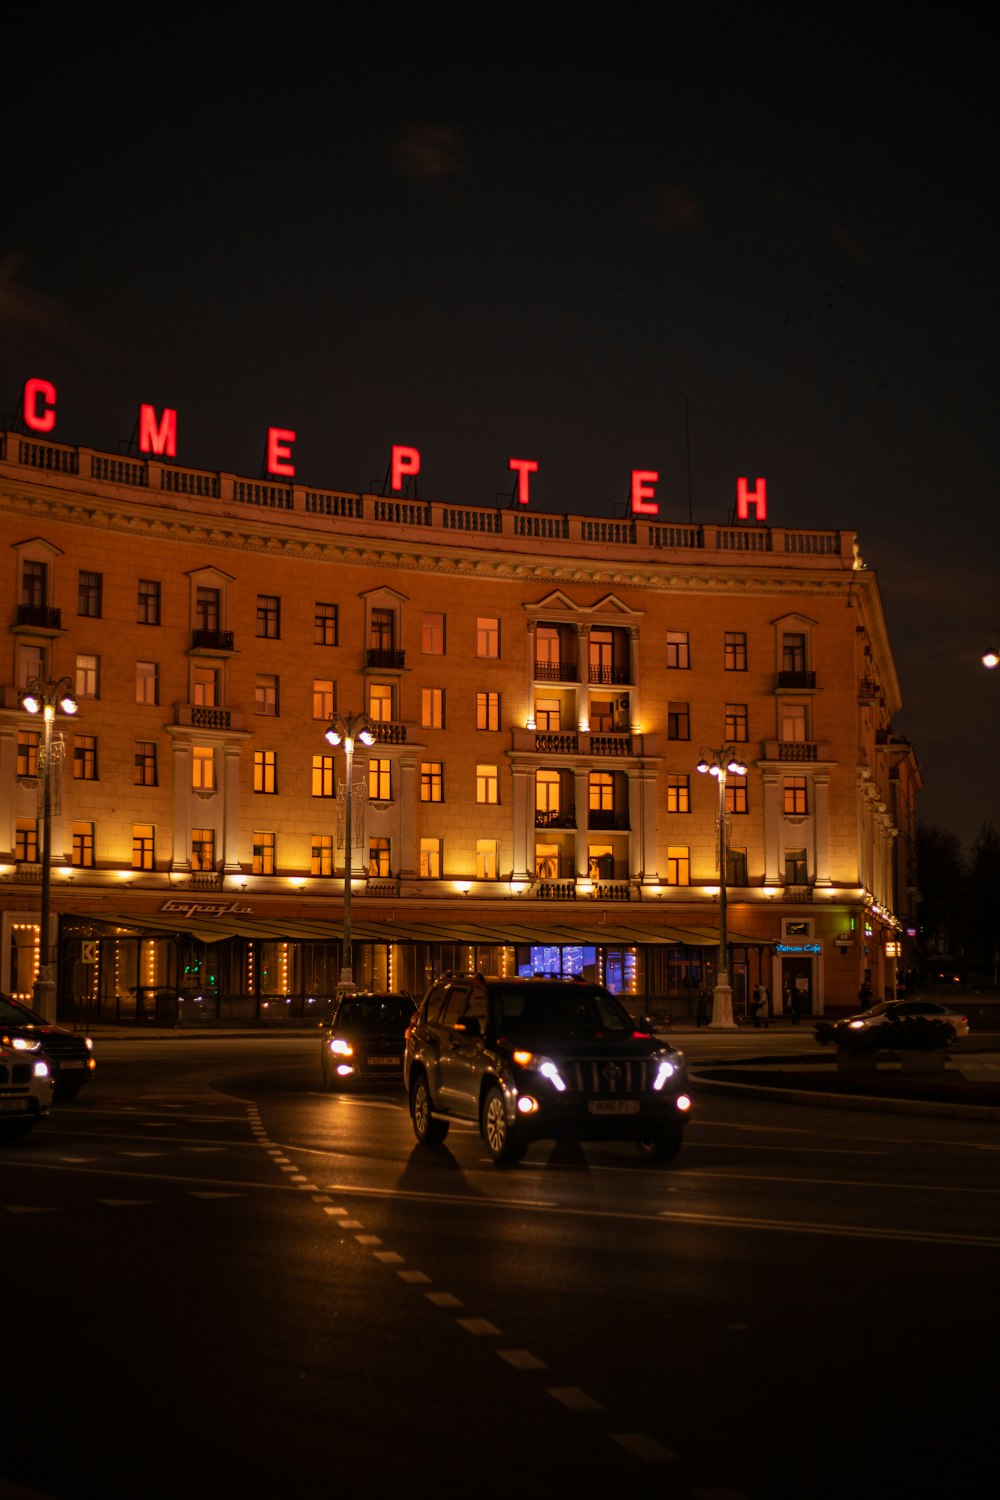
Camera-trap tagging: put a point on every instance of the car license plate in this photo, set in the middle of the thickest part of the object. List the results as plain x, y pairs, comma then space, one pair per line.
613, 1106
385, 1062
63, 1065
13, 1106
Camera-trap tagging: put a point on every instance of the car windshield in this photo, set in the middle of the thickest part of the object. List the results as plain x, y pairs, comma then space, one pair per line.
373, 1013
18, 1015
541, 1008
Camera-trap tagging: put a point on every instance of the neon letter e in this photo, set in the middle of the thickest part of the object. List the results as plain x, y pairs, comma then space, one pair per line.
35, 391
279, 452
643, 503
757, 498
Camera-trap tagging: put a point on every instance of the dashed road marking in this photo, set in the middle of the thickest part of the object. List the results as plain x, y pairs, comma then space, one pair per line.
415, 1278
640, 1445
479, 1327
389, 1257
351, 1224
443, 1299
522, 1359
368, 1239
573, 1398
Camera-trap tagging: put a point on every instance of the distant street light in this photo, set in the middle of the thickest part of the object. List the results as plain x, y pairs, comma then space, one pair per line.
720, 763
45, 697
991, 656
344, 730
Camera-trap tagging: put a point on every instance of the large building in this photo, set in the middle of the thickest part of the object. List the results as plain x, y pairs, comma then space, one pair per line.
541, 688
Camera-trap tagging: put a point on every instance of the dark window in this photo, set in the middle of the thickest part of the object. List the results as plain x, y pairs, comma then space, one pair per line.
89, 595
268, 616
149, 601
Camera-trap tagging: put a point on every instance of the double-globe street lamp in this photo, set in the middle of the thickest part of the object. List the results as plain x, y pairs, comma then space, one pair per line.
45, 697
720, 764
344, 730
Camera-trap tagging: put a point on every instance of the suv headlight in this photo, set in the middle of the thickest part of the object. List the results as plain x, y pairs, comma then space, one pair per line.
543, 1065
21, 1043
664, 1071
41, 1069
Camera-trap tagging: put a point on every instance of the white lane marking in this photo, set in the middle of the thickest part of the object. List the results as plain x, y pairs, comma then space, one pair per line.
479, 1327
321, 1199
389, 1257
14, 1208
644, 1447
307, 1187
368, 1239
351, 1224
443, 1299
573, 1398
298, 1177
522, 1359
337, 1212
415, 1278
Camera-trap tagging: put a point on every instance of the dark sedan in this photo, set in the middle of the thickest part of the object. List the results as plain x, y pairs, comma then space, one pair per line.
69, 1055
364, 1038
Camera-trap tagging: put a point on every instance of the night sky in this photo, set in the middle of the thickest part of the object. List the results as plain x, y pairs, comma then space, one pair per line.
665, 250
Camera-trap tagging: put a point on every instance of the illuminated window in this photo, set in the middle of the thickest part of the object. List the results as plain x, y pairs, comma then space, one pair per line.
432, 708
487, 859
143, 847
678, 650
380, 702
487, 784
432, 781
678, 721
795, 801
85, 757
30, 664
601, 655
147, 683
736, 722
735, 658
678, 792
263, 853
324, 698
265, 696
322, 854
379, 852
547, 791
89, 594
26, 841
27, 752
548, 714
88, 676
487, 710
268, 617
547, 651
83, 846
144, 765
203, 848
323, 780
600, 862
487, 637
602, 715
793, 722
265, 771
205, 687
325, 625
678, 865
430, 859
203, 768
149, 602
547, 861
796, 868
432, 635
601, 789
380, 780
736, 794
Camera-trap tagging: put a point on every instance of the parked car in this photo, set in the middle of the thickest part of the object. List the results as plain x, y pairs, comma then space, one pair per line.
70, 1055
25, 1090
890, 1011
364, 1038
541, 1058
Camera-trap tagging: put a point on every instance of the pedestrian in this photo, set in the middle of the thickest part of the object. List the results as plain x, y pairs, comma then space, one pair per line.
865, 995
701, 1010
795, 1005
758, 1010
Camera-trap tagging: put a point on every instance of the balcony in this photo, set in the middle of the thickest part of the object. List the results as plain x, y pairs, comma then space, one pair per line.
557, 890
388, 734
608, 676
613, 890
800, 894
555, 671
212, 641
203, 716
385, 658
580, 742
557, 741
556, 819
868, 690
796, 680
796, 750
599, 820
611, 744
38, 617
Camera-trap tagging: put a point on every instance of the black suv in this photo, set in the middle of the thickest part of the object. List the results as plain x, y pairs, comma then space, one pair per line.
69, 1055
541, 1058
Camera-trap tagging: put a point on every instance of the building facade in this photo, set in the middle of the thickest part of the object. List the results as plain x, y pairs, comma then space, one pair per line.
541, 688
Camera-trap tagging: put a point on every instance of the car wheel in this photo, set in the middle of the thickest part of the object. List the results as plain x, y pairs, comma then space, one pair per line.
428, 1130
501, 1141
663, 1146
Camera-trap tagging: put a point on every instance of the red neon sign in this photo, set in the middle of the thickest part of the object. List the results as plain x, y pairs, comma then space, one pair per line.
34, 392
159, 438
643, 481
522, 467
279, 452
757, 498
404, 461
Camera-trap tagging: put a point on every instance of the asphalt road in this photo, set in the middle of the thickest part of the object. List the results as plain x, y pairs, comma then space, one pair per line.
221, 1280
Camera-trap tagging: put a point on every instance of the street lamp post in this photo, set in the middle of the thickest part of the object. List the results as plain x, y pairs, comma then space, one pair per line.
45, 697
720, 763
344, 730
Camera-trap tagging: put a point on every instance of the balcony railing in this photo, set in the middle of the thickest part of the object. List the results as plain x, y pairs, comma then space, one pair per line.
608, 820
796, 750
40, 616
385, 656
799, 893
557, 890
555, 671
212, 640
389, 734
611, 744
797, 680
608, 676
557, 741
556, 819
